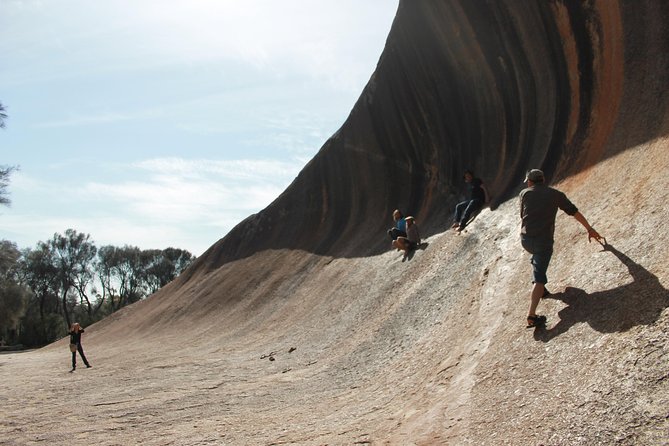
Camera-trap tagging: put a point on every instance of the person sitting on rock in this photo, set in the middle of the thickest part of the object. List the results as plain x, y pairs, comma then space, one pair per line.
399, 230
412, 239
477, 196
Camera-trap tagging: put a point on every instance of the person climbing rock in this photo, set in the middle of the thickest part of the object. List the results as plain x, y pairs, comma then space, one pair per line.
477, 196
538, 209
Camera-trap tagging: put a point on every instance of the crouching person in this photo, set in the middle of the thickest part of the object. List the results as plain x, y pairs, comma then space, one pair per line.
412, 239
399, 228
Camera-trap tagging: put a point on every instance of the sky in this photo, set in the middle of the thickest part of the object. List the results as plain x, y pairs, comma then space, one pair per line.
164, 123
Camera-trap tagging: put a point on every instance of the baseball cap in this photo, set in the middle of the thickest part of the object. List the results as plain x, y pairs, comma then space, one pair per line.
534, 175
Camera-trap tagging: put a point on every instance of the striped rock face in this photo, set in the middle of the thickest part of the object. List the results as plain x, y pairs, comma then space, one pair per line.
495, 87
301, 326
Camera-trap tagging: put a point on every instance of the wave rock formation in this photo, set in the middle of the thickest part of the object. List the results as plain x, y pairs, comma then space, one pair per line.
493, 86
300, 326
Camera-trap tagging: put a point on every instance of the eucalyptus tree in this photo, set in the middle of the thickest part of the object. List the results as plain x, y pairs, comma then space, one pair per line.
73, 258
5, 173
3, 116
38, 272
163, 266
105, 265
12, 294
121, 274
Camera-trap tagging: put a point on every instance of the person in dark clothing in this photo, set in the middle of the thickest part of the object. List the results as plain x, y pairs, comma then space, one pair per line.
477, 196
75, 345
538, 209
400, 228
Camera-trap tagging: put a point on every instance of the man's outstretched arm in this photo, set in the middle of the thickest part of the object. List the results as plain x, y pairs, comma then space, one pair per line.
592, 233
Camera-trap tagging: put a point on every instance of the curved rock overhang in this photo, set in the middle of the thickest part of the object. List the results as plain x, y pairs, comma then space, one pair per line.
497, 87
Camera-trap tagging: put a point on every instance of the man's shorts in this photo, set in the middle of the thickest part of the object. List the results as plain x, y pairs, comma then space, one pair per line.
541, 257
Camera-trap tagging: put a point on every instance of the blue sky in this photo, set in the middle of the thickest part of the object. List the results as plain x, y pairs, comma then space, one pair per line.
160, 123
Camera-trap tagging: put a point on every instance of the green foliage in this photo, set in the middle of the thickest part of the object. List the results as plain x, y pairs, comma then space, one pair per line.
5, 174
69, 279
3, 116
36, 331
123, 273
161, 267
73, 254
9, 255
13, 297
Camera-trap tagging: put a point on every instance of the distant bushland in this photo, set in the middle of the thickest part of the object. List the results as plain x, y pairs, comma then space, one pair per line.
68, 278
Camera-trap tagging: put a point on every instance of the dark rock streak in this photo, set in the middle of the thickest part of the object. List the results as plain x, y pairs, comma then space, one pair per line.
494, 86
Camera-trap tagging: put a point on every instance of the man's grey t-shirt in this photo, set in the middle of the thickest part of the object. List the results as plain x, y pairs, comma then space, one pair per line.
538, 208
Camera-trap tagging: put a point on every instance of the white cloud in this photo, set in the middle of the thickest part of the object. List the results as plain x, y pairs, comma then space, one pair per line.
258, 170
290, 36
182, 191
237, 78
163, 199
103, 118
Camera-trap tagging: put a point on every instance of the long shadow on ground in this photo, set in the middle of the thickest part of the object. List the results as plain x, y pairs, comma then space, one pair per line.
616, 310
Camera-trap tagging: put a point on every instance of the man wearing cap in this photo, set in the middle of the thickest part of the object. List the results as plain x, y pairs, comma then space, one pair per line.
538, 209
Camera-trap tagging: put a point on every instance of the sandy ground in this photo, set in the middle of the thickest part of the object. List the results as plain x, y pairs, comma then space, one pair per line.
287, 347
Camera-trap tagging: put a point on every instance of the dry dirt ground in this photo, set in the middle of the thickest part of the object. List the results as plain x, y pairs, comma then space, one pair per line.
287, 347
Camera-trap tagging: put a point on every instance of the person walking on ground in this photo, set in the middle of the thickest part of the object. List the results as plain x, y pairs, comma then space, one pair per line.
538, 209
75, 345
477, 196
412, 239
400, 228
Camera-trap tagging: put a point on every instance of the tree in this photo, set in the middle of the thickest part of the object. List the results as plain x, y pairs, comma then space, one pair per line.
73, 254
38, 272
9, 255
5, 173
161, 267
12, 295
121, 274
60, 279
104, 268
3, 116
